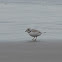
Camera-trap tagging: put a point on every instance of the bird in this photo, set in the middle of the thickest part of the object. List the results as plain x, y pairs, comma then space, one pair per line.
33, 32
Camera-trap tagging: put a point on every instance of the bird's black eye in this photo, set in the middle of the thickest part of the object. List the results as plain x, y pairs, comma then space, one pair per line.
30, 31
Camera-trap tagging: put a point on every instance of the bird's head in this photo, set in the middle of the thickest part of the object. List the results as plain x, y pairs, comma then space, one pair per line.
28, 30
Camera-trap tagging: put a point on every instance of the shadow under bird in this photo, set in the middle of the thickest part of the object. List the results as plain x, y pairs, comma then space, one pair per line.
34, 33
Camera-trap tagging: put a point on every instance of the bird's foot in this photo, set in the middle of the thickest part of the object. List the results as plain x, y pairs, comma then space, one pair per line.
34, 39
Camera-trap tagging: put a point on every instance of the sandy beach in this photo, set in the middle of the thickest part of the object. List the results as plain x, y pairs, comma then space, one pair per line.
31, 51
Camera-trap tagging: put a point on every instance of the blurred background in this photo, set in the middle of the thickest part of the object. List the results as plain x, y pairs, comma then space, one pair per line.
18, 15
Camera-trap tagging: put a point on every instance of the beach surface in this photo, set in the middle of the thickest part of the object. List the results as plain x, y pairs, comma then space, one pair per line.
31, 51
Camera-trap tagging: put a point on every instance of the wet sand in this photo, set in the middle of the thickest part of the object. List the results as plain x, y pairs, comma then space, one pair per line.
31, 51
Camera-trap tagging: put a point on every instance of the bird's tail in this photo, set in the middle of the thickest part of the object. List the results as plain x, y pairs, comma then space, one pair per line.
43, 32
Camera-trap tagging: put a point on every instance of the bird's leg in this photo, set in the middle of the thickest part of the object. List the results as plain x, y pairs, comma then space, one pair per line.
33, 38
36, 38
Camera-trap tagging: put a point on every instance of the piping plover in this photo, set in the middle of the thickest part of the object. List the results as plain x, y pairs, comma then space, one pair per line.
34, 33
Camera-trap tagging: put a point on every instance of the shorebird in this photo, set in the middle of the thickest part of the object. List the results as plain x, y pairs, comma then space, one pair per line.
34, 33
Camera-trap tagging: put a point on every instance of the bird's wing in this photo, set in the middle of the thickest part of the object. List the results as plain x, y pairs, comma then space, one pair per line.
33, 30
